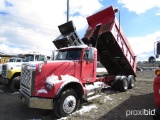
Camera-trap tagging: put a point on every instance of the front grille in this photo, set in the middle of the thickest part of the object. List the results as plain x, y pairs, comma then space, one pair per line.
4, 70
27, 79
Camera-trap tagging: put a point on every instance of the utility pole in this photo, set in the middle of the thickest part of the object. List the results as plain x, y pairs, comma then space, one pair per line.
67, 10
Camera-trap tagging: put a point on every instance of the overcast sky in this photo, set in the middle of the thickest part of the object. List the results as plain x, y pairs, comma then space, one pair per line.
31, 25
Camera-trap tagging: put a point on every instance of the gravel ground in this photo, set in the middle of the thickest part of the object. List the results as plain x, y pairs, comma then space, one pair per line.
111, 105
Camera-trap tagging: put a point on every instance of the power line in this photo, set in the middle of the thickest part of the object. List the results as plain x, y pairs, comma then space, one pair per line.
25, 24
16, 18
43, 31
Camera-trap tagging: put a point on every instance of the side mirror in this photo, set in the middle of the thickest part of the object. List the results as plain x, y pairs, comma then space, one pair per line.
45, 61
54, 54
91, 55
151, 59
158, 48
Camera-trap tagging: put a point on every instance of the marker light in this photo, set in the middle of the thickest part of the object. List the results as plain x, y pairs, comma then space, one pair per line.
157, 72
59, 77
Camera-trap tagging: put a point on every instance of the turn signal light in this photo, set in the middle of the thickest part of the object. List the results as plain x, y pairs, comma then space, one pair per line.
157, 72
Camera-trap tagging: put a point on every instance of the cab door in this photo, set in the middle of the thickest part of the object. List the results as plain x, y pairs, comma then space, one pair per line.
87, 68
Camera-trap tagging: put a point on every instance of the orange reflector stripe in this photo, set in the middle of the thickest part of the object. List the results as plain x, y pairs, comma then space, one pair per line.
157, 72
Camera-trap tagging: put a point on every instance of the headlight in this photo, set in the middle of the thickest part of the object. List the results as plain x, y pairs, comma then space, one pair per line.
26, 67
49, 86
9, 73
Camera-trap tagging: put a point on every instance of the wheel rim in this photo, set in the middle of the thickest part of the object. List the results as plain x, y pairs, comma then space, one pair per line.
132, 82
69, 104
125, 83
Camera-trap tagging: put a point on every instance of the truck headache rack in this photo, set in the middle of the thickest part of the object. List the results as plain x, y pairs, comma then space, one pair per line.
114, 51
68, 36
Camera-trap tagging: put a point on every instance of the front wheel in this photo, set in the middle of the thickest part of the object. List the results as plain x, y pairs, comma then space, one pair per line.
66, 104
15, 84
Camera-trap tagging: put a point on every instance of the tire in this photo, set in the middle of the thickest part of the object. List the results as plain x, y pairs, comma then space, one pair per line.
131, 81
123, 84
115, 83
4, 81
67, 103
15, 84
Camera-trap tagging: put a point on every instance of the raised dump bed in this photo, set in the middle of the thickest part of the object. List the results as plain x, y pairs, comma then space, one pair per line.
114, 51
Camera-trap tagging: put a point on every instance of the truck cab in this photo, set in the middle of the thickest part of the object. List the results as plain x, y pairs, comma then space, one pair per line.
80, 55
13, 59
72, 73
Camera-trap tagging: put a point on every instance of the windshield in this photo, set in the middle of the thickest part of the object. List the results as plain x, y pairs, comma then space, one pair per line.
15, 60
11, 60
69, 54
29, 58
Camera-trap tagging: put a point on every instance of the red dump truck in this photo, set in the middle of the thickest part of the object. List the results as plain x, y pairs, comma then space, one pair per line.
64, 83
156, 83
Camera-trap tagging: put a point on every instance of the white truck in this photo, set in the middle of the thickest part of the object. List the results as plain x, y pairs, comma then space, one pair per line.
11, 71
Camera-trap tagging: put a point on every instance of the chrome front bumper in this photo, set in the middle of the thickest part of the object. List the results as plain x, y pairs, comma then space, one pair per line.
35, 102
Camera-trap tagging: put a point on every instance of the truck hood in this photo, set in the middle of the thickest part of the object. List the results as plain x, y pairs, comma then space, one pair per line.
56, 68
15, 65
